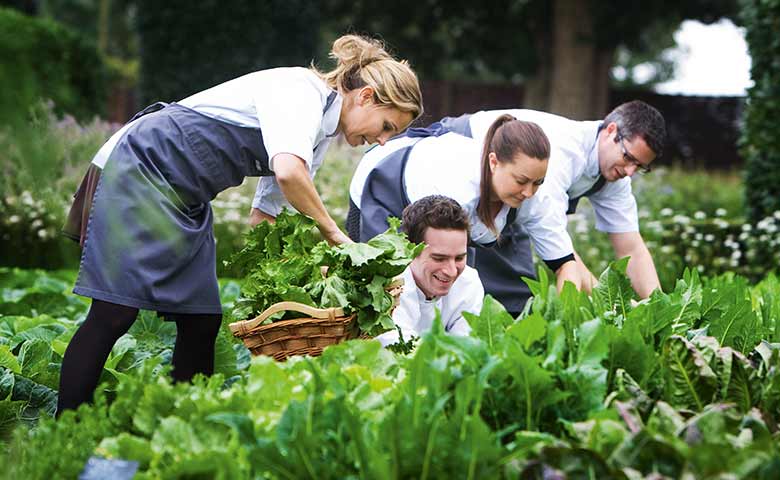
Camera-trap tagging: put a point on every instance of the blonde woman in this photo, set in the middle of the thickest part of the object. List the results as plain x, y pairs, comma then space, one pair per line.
149, 241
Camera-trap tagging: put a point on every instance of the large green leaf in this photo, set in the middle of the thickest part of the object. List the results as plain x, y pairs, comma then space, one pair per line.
689, 380
534, 388
529, 330
738, 379
614, 292
8, 360
491, 323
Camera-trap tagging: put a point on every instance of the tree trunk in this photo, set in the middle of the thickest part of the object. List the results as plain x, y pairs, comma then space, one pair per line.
573, 60
536, 89
600, 99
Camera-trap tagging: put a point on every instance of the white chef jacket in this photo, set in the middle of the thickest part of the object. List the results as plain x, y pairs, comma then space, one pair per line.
414, 314
286, 104
573, 169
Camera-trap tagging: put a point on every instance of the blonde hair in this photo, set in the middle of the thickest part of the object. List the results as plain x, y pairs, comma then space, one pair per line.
506, 137
362, 61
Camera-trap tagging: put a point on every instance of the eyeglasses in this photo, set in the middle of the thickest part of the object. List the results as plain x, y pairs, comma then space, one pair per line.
640, 167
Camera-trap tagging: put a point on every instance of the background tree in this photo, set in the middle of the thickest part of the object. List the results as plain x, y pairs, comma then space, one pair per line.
190, 46
562, 51
760, 139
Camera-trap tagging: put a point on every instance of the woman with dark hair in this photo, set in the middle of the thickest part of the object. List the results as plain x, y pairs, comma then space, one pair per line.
492, 180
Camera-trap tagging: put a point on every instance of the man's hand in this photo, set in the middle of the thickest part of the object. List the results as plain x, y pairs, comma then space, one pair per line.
641, 269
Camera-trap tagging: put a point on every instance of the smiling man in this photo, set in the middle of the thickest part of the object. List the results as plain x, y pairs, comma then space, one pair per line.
439, 277
593, 159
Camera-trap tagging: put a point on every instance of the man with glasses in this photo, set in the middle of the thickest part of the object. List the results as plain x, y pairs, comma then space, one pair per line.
593, 159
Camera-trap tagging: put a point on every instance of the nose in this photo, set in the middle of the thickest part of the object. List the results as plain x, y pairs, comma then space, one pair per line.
630, 169
451, 268
528, 191
381, 140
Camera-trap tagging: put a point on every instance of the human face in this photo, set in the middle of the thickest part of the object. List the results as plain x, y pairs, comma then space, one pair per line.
622, 157
518, 180
362, 121
441, 261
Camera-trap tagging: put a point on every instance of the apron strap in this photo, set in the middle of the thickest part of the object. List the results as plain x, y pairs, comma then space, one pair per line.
600, 182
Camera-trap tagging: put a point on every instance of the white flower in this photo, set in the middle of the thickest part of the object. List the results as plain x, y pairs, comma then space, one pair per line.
13, 219
681, 219
721, 212
747, 227
37, 223
709, 237
722, 224
666, 212
736, 255
699, 215
667, 249
776, 214
43, 234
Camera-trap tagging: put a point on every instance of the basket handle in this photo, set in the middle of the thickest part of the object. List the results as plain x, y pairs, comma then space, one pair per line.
247, 325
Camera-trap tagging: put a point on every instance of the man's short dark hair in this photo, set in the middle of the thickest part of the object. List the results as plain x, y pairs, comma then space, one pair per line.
433, 211
636, 118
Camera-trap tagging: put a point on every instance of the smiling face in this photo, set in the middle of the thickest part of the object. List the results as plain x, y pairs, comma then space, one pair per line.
441, 261
622, 157
516, 181
363, 121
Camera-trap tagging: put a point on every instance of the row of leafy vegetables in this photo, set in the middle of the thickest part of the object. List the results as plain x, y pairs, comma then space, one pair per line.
683, 385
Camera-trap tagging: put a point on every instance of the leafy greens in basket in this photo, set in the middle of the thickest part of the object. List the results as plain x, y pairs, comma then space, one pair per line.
283, 262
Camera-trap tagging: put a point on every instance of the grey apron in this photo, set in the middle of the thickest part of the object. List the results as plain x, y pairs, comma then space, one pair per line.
500, 264
149, 241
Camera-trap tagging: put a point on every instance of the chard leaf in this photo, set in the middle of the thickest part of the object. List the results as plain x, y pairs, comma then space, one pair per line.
8, 360
491, 323
689, 380
614, 292
529, 330
738, 379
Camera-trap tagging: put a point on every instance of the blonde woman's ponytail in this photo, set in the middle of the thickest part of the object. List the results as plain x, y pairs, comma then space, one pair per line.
362, 61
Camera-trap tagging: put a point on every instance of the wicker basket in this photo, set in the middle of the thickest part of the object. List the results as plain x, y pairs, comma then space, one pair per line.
307, 335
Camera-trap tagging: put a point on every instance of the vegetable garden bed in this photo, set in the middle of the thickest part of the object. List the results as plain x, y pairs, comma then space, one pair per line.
684, 385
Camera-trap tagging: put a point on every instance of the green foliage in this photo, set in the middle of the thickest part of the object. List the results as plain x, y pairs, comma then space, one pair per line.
760, 142
285, 261
41, 59
553, 390
187, 47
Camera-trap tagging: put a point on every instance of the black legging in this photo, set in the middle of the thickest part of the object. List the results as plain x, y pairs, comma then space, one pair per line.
88, 350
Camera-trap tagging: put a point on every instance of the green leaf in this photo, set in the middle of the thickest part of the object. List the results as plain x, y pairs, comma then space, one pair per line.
8, 360
126, 446
491, 323
614, 292
529, 330
690, 382
738, 379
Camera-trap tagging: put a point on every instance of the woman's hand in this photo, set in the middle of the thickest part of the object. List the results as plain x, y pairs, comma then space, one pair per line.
256, 216
334, 235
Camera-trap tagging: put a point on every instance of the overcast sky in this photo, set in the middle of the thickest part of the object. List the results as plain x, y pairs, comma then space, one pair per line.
710, 60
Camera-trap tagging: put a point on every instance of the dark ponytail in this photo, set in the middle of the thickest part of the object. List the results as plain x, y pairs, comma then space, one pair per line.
507, 137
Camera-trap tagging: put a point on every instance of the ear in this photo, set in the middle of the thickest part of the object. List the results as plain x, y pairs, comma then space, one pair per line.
492, 161
366, 96
611, 129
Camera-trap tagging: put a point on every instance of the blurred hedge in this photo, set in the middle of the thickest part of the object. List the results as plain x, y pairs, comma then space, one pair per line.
40, 58
761, 135
187, 46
